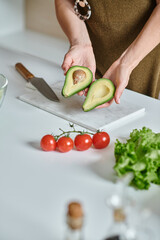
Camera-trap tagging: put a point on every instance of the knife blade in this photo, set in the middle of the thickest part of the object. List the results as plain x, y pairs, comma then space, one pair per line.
39, 83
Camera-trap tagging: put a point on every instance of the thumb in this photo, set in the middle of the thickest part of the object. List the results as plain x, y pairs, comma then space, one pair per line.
67, 62
119, 90
107, 74
93, 70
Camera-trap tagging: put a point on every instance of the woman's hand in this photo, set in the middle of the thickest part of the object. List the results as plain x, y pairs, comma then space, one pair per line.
119, 74
81, 55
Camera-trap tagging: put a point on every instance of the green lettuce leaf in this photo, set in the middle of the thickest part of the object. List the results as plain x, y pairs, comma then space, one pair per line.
141, 156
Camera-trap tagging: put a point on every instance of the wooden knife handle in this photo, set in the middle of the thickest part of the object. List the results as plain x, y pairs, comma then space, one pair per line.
23, 71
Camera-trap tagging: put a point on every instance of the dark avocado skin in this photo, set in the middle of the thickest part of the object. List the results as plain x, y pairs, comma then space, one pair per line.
80, 89
100, 103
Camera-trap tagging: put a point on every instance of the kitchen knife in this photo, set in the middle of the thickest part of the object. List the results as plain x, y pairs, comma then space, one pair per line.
39, 83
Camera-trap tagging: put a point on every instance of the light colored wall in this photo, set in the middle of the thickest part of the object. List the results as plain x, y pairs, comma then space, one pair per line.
11, 16
41, 17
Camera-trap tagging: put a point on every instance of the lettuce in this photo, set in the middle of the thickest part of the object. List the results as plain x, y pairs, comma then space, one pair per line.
141, 156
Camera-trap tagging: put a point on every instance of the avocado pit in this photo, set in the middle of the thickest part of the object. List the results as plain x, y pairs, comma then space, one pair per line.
78, 76
77, 79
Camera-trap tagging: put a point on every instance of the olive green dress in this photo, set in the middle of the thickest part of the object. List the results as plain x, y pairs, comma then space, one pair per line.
113, 26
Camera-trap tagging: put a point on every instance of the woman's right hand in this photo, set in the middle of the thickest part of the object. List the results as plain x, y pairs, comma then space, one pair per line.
82, 56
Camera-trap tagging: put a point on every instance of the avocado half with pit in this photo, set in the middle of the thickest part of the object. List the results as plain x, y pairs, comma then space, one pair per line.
76, 80
101, 91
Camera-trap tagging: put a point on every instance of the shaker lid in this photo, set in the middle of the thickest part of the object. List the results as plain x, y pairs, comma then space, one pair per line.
75, 210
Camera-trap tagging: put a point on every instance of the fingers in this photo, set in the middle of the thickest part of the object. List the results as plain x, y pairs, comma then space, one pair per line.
87, 89
67, 62
107, 75
103, 106
93, 70
93, 76
107, 104
84, 92
80, 93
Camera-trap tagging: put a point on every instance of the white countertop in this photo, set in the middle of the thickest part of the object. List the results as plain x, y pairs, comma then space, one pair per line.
35, 186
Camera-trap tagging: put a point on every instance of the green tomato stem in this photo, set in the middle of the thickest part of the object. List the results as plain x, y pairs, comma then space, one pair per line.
69, 132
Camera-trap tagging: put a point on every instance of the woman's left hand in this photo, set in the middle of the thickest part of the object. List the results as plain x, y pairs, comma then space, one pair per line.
119, 74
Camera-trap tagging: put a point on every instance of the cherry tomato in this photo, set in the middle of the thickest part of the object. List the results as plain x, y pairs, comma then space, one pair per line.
65, 144
83, 142
101, 140
48, 143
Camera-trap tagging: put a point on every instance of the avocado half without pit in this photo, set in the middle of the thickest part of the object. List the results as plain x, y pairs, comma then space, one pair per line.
76, 80
101, 91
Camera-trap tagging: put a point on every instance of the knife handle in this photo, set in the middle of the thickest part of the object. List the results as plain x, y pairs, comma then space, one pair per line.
23, 71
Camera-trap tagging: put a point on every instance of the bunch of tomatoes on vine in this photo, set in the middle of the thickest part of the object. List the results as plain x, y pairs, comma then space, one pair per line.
82, 141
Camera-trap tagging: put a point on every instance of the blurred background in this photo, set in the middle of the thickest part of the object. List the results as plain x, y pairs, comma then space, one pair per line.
36, 15
31, 27
27, 25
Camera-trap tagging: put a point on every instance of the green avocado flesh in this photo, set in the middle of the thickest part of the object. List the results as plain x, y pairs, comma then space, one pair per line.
77, 79
101, 91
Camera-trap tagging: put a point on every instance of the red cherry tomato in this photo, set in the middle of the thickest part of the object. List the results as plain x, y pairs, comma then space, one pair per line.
65, 144
48, 143
101, 140
83, 142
